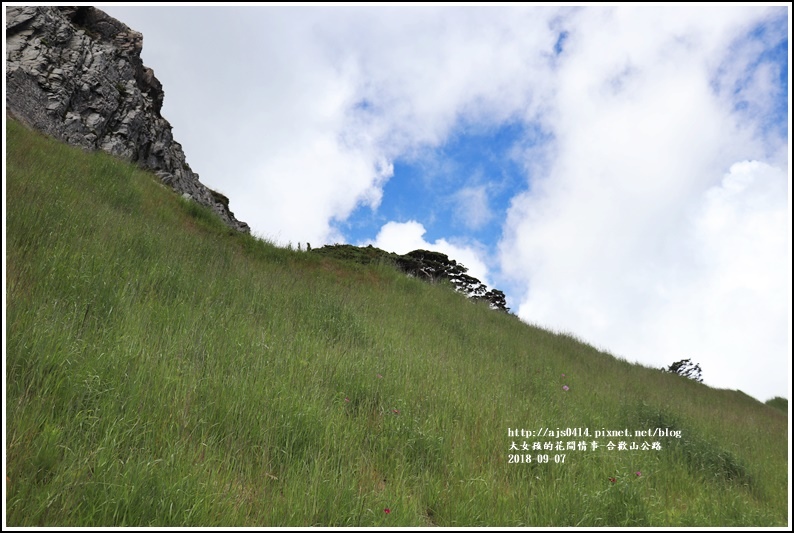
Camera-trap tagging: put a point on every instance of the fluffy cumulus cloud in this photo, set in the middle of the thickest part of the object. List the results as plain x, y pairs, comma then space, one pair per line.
743, 238
658, 231
404, 237
262, 114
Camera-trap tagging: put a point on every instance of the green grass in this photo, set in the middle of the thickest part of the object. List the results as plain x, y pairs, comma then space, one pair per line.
778, 403
163, 370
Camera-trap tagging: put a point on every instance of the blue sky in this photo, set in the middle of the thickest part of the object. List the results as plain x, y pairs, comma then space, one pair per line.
622, 173
461, 188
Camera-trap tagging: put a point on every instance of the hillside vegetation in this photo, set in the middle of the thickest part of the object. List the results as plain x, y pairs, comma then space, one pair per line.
164, 370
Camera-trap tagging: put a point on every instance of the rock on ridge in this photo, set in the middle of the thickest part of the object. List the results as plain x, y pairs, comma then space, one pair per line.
76, 73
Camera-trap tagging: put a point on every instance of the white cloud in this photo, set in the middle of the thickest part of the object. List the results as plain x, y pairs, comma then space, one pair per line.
743, 238
472, 208
637, 237
404, 237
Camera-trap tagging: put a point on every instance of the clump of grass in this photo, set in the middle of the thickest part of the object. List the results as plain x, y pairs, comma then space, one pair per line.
202, 214
624, 505
778, 403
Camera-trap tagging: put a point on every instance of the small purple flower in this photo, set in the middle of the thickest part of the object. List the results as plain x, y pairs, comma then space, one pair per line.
638, 473
563, 375
347, 399
565, 387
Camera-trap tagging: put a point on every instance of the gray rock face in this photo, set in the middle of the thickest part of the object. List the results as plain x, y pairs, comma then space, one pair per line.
75, 73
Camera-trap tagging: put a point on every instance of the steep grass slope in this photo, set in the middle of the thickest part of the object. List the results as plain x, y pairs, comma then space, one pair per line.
161, 370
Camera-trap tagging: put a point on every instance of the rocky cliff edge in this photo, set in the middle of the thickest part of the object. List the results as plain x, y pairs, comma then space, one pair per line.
75, 73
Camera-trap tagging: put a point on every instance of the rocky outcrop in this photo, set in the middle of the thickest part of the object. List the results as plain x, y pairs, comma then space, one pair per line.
75, 73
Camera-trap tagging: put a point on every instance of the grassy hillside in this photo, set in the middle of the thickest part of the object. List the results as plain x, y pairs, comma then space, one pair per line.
161, 370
